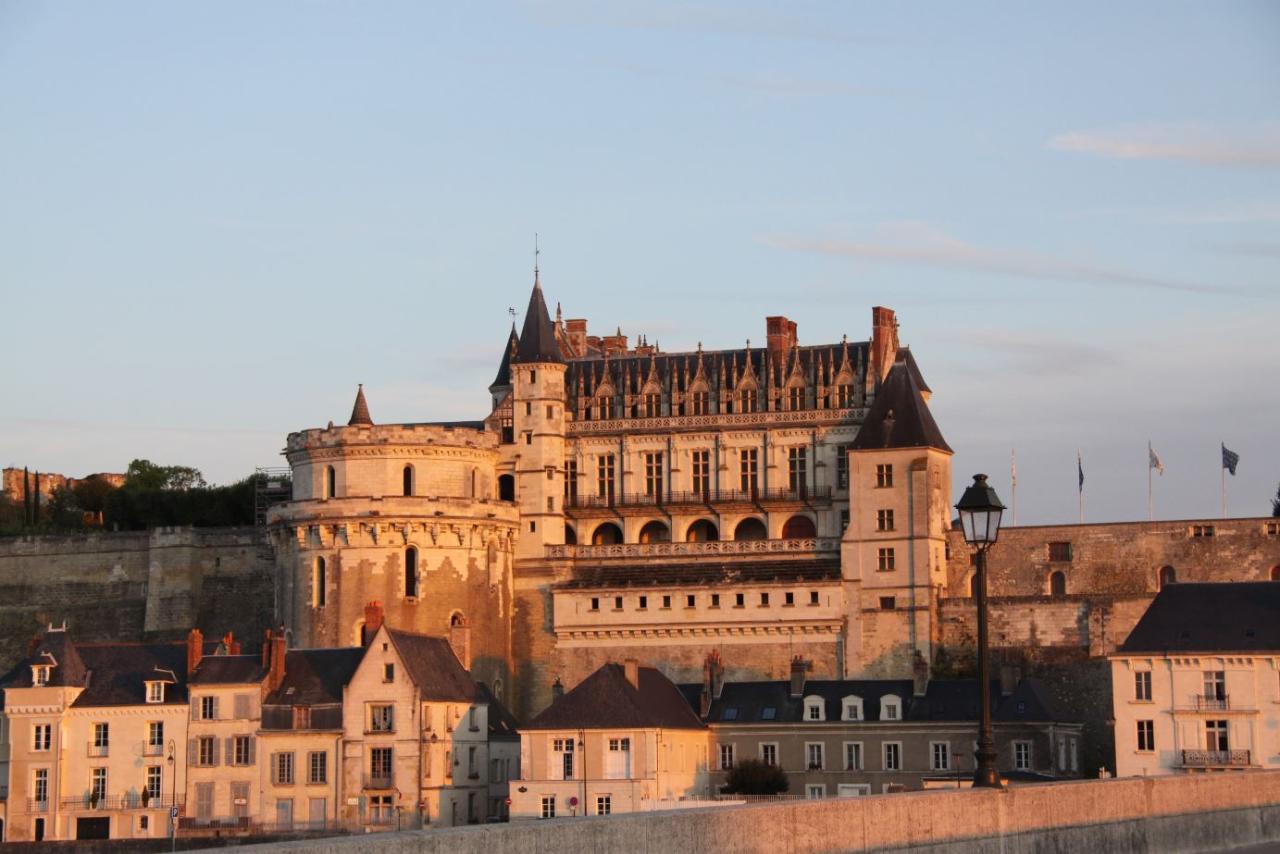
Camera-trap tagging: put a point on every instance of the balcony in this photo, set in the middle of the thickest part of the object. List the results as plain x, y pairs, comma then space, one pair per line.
130, 801
665, 423
379, 781
149, 749
235, 822
1212, 703
36, 806
715, 547
97, 750
804, 495
1215, 759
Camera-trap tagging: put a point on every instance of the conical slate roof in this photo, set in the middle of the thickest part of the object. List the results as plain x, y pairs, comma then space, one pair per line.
504, 368
899, 417
538, 337
360, 412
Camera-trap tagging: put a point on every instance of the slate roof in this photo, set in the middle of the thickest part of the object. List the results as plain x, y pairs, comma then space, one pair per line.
703, 572
899, 417
229, 670
1222, 617
433, 667
606, 700
360, 411
118, 673
314, 677
504, 367
55, 648
503, 725
538, 337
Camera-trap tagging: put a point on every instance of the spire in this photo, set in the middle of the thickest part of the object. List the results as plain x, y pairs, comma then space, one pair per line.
538, 337
503, 379
899, 417
360, 412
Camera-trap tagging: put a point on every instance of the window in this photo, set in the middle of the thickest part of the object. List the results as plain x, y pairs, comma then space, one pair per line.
890, 708
604, 804
813, 597
604, 406
604, 476
302, 717
206, 751
739, 600
144, 822
813, 709
844, 396
97, 785
407, 478
884, 520
563, 748
813, 791
666, 601
1146, 735
208, 708
617, 603
853, 756
749, 468
653, 473
788, 598
644, 603
892, 756
330, 482
1215, 686
1215, 735
40, 786
380, 764
155, 736
101, 738
155, 782
884, 476
886, 562
701, 472
747, 400
852, 708
42, 737
282, 769
769, 754
842, 466
242, 750
1202, 530
549, 806
1168, 575
795, 398
570, 483
321, 582
814, 755
887, 603
40, 675
473, 770
1142, 686
715, 600
940, 755
1057, 584
411, 573
1060, 551
726, 757
389, 672
797, 469
317, 767
595, 603
764, 600
729, 714
1022, 756
528, 438
691, 601
155, 692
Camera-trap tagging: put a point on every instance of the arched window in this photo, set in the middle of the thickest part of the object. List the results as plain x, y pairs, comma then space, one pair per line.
973, 585
408, 480
1168, 575
411, 573
799, 528
702, 531
570, 535
750, 529
655, 532
320, 581
607, 534
507, 487
330, 482
1057, 584
1275, 573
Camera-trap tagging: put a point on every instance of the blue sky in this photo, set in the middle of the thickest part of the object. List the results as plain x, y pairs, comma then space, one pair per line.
216, 219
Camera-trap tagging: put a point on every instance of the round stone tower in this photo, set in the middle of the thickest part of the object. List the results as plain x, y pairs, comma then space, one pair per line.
406, 516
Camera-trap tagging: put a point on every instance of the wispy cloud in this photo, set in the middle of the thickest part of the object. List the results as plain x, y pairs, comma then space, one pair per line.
1256, 249
1255, 146
1040, 354
921, 244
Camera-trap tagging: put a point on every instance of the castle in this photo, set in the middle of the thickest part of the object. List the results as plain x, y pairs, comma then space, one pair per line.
773, 502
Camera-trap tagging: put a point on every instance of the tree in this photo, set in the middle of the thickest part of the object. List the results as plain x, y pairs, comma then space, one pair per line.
753, 777
144, 474
1275, 504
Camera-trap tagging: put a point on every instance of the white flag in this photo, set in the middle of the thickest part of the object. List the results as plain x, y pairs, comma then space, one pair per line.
1154, 460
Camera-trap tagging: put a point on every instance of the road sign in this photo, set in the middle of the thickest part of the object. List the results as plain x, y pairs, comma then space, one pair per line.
173, 812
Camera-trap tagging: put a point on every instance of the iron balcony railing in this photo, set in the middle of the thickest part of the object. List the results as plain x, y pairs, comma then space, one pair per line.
34, 805
1215, 758
1212, 702
130, 801
706, 496
149, 749
195, 823
98, 749
378, 781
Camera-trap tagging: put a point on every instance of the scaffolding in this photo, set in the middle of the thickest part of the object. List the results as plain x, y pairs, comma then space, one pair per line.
271, 486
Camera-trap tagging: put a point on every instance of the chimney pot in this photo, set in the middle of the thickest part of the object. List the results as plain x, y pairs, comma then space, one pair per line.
372, 621
195, 650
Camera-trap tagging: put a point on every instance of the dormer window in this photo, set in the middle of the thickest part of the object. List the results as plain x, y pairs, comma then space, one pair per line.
815, 709
40, 674
890, 708
851, 708
155, 692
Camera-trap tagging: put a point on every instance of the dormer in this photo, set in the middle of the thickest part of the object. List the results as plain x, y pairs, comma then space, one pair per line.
890, 707
815, 708
851, 708
40, 674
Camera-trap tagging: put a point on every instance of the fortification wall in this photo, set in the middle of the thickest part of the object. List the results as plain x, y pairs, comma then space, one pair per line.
131, 585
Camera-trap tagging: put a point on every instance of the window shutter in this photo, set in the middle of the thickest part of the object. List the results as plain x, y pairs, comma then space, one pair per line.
242, 706
193, 752
195, 708
215, 708
275, 768
230, 743
297, 772
215, 751
253, 746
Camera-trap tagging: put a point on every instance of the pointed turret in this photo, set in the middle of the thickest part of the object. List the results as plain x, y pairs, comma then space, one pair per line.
503, 379
360, 412
538, 337
900, 417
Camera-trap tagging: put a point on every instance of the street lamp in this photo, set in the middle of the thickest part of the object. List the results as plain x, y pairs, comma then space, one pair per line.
980, 511
173, 797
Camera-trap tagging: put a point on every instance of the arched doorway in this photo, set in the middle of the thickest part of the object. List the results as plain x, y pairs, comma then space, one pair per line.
799, 528
655, 532
507, 487
1168, 575
750, 528
570, 535
1057, 584
702, 531
607, 534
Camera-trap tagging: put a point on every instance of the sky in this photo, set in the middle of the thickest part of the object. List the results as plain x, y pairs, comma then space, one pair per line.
217, 218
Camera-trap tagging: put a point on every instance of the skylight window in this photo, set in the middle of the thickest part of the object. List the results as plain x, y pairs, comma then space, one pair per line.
768, 713
729, 715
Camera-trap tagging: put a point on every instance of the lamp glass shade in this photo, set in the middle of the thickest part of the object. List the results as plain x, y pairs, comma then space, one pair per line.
980, 513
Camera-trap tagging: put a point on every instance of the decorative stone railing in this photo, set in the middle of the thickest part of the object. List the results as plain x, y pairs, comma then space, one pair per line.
825, 545
740, 419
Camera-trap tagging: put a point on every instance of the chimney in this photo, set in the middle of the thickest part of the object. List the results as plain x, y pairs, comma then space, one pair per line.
884, 343
557, 690
266, 648
229, 643
780, 336
631, 667
276, 675
372, 622
576, 330
919, 675
798, 668
195, 650
712, 680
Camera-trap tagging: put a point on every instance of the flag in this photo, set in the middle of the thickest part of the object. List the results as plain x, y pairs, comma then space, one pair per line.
1229, 460
1080, 469
1154, 459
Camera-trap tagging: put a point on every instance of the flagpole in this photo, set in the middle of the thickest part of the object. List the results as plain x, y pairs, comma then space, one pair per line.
1080, 487
1150, 513
1224, 492
1013, 486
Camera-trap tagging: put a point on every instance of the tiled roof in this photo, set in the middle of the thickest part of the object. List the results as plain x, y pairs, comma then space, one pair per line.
727, 572
899, 417
118, 673
229, 670
538, 337
433, 666
360, 411
504, 367
55, 648
502, 724
315, 676
1223, 617
606, 700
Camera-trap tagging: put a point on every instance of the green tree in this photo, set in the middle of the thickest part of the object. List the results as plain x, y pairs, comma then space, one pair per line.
91, 493
144, 474
753, 777
1275, 504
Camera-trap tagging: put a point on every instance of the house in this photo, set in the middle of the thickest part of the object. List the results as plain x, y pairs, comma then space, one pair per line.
623, 740
504, 754
1194, 686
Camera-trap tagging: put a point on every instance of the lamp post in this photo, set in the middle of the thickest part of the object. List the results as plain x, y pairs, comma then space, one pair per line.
173, 796
980, 511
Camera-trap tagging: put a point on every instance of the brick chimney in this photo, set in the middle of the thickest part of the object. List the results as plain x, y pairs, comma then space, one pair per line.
631, 667
276, 675
884, 343
780, 336
266, 648
372, 622
712, 680
195, 650
231, 644
919, 675
798, 668
576, 331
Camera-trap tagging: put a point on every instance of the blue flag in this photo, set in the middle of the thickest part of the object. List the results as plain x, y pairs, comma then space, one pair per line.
1229, 460
1080, 469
